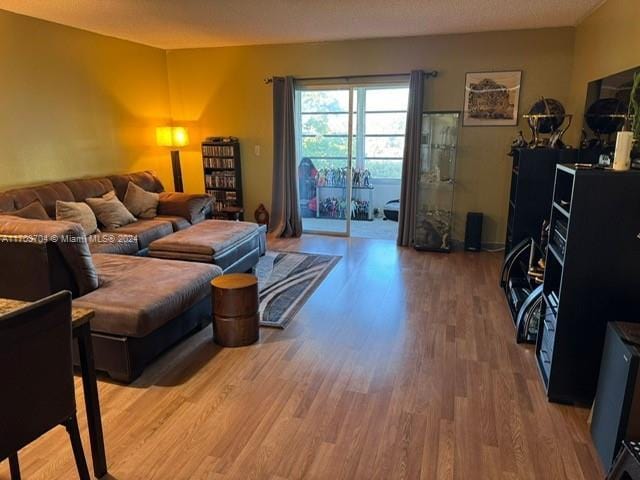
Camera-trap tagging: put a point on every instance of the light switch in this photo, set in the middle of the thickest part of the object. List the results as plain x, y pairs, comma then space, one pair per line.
256, 150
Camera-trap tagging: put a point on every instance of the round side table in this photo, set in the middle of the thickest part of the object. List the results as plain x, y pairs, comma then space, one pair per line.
235, 309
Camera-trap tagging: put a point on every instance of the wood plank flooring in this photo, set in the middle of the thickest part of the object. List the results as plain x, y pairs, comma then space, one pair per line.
401, 365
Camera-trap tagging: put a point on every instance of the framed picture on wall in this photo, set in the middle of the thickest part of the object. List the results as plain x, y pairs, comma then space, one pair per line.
491, 98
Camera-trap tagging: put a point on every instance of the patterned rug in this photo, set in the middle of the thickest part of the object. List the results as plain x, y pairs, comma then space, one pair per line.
286, 280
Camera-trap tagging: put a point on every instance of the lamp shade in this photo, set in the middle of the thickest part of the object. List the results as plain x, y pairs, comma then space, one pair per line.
172, 136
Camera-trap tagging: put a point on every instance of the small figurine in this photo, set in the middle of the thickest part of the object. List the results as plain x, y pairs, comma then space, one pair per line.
519, 141
355, 177
367, 178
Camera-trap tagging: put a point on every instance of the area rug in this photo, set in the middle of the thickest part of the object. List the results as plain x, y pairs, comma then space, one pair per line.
286, 280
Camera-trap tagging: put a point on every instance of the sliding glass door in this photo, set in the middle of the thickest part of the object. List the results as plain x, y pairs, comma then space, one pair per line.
350, 142
325, 150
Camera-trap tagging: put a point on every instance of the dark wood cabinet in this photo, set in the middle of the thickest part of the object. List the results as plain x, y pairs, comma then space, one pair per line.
591, 276
532, 176
223, 176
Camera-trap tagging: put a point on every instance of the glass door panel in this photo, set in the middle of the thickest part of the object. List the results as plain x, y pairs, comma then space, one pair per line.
326, 125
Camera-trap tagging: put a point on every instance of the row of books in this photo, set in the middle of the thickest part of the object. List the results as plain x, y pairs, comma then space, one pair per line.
216, 162
218, 150
223, 199
221, 180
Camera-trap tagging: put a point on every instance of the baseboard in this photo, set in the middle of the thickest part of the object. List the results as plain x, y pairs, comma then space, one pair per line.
459, 245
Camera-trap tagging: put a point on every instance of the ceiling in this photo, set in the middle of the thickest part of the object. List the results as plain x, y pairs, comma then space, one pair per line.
172, 24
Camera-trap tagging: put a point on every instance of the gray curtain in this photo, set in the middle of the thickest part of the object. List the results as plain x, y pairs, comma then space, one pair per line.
411, 161
285, 214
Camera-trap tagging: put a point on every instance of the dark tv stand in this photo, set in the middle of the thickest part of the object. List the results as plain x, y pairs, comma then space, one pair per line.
591, 276
532, 175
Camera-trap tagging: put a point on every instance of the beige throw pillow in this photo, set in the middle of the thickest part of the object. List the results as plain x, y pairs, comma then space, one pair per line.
110, 211
141, 203
77, 212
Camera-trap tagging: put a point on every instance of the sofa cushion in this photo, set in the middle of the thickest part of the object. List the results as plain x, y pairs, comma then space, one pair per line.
141, 203
139, 295
34, 211
46, 194
6, 203
24, 196
146, 180
89, 188
77, 212
179, 223
106, 242
50, 194
69, 239
110, 211
146, 230
192, 206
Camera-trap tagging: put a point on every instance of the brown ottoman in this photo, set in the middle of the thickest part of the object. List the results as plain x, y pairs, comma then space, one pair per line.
236, 319
233, 246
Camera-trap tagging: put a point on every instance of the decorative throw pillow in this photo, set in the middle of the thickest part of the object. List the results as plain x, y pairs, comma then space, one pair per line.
77, 212
110, 211
141, 203
33, 211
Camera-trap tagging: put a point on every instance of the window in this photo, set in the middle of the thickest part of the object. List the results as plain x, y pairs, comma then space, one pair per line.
379, 116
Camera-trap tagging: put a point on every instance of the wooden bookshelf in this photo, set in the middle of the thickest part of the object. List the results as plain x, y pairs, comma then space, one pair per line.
223, 176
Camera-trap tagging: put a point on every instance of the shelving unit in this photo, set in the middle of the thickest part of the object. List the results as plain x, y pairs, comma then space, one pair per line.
223, 175
532, 176
591, 276
356, 192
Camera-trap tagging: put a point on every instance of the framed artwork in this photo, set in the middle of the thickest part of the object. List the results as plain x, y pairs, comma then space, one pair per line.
491, 98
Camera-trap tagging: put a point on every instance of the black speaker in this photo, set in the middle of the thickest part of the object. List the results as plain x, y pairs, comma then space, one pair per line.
616, 408
473, 232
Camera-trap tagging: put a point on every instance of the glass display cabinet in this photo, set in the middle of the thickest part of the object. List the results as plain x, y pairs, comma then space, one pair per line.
437, 179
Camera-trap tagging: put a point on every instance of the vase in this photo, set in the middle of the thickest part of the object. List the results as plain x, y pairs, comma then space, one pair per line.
261, 215
622, 155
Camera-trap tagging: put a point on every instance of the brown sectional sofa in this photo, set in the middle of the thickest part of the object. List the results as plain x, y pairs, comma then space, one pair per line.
142, 305
176, 211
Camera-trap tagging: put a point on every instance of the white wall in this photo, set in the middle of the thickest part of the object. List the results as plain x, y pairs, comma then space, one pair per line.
384, 190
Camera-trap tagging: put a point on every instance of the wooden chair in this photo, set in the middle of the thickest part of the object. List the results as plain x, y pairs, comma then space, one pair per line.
37, 377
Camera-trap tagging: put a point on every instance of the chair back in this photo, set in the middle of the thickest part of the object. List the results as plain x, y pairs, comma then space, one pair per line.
36, 371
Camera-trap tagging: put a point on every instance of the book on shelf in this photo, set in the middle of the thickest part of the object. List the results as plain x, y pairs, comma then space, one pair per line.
218, 162
218, 150
223, 199
220, 180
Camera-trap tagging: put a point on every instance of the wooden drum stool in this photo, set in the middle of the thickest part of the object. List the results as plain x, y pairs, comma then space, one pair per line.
235, 309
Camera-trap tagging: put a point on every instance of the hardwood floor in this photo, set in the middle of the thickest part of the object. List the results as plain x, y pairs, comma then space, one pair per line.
401, 365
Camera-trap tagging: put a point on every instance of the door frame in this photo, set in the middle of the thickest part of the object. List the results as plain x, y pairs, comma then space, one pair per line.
360, 112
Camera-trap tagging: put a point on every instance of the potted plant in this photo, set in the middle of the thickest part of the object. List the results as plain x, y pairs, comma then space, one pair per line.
630, 133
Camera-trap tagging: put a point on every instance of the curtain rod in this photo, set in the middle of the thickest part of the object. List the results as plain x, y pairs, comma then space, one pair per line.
432, 73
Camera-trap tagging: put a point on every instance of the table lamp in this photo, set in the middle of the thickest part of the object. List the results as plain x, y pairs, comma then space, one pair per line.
174, 137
